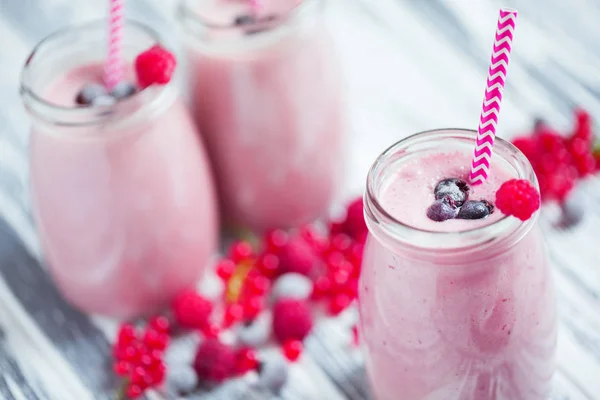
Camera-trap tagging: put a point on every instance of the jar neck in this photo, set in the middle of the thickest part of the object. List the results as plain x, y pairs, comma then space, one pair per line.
480, 242
80, 46
231, 26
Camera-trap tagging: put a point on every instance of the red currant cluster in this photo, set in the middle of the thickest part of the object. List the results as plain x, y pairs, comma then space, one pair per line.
560, 161
139, 356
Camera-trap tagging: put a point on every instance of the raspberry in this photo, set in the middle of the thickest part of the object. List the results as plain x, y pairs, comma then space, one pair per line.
154, 66
269, 265
518, 198
292, 349
211, 331
214, 361
583, 125
292, 319
191, 310
355, 225
298, 256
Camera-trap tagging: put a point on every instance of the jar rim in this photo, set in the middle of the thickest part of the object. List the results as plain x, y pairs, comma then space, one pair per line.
380, 221
78, 116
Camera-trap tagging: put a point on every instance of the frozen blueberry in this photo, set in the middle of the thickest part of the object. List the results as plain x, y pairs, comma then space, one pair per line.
442, 209
457, 189
245, 19
103, 101
273, 373
89, 93
123, 90
292, 285
473, 209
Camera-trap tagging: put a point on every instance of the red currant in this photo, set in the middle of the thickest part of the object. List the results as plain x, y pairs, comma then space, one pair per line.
225, 269
275, 240
321, 287
268, 265
246, 360
339, 278
156, 340
292, 349
334, 259
233, 313
126, 335
133, 391
240, 251
139, 377
253, 306
122, 368
341, 242
339, 303
258, 285
160, 324
157, 373
210, 331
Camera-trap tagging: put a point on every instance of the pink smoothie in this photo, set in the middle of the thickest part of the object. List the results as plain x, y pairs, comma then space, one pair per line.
270, 106
125, 209
457, 324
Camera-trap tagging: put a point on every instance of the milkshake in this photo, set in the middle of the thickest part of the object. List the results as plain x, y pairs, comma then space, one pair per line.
122, 192
266, 93
460, 309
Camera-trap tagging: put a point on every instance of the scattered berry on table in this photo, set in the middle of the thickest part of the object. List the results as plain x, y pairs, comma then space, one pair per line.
298, 256
247, 360
269, 265
354, 224
518, 198
241, 251
292, 319
160, 324
214, 361
154, 66
225, 269
456, 189
339, 303
191, 310
473, 209
442, 209
292, 285
275, 240
292, 349
233, 313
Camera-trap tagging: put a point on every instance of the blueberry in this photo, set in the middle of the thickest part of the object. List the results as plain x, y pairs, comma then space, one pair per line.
245, 19
103, 101
457, 189
123, 90
90, 92
473, 209
273, 373
292, 285
442, 210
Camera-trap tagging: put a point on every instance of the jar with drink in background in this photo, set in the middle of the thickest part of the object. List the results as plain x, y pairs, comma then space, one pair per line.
122, 191
462, 309
267, 94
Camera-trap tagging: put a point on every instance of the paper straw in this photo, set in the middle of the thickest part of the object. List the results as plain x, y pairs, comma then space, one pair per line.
113, 67
486, 132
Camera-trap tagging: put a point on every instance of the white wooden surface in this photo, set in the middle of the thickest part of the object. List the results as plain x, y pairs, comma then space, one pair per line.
410, 65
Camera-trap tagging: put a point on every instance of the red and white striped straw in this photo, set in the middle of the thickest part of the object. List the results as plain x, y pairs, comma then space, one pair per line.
113, 67
486, 133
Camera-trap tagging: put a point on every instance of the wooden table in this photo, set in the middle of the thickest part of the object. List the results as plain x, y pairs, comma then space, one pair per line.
410, 65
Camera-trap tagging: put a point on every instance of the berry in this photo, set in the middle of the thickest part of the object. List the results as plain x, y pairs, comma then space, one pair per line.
225, 269
292, 349
210, 330
456, 189
355, 225
245, 19
241, 251
156, 340
247, 360
191, 310
339, 303
214, 361
275, 240
139, 377
518, 198
157, 373
160, 324
254, 333
442, 210
253, 306
123, 90
122, 368
258, 285
154, 66
269, 265
322, 287
292, 285
88, 93
339, 279
133, 391
298, 256
233, 313
341, 242
528, 147
273, 373
292, 319
127, 335
473, 209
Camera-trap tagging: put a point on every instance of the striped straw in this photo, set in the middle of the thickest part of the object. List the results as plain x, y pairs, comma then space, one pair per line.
113, 68
486, 133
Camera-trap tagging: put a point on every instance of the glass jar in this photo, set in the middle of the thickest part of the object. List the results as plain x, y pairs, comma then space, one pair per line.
267, 96
123, 197
467, 315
